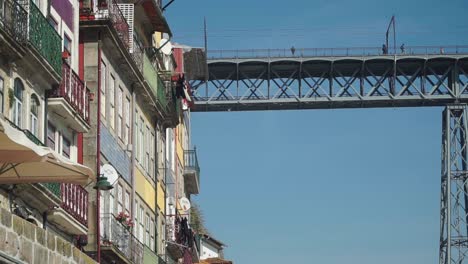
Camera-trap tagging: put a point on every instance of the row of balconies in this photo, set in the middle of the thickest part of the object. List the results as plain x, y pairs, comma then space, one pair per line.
109, 10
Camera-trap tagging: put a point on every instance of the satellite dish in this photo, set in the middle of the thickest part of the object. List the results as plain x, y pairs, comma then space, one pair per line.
166, 46
108, 171
184, 203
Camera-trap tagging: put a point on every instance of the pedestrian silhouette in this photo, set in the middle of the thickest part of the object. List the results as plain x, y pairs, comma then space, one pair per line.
293, 50
384, 49
402, 47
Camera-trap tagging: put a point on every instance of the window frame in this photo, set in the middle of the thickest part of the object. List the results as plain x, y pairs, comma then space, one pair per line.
119, 106
34, 117
103, 84
63, 153
49, 126
119, 199
112, 101
127, 120
17, 113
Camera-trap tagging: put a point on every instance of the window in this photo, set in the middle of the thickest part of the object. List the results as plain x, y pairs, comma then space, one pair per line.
66, 147
147, 148
53, 23
119, 199
162, 235
111, 201
67, 44
151, 245
137, 226
1, 93
147, 237
34, 126
142, 228
127, 203
137, 139
120, 112
18, 102
127, 121
151, 162
51, 136
112, 102
141, 139
103, 88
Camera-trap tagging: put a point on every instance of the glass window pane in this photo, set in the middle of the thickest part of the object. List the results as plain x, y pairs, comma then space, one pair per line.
51, 136
66, 147
103, 88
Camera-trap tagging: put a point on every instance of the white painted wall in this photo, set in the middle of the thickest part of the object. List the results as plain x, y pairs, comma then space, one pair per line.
208, 250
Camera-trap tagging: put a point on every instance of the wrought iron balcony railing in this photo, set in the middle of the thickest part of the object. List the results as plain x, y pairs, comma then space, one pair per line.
191, 160
14, 20
75, 201
44, 38
119, 236
108, 10
74, 91
137, 53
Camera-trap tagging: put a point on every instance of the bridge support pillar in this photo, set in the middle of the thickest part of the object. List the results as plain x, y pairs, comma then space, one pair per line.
454, 186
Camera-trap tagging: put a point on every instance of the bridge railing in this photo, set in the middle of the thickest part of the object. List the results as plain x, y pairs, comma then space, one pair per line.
336, 52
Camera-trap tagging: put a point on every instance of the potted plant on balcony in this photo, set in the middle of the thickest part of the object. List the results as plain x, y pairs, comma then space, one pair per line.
122, 217
129, 224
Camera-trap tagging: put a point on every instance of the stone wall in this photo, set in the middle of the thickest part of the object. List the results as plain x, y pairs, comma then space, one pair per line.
23, 242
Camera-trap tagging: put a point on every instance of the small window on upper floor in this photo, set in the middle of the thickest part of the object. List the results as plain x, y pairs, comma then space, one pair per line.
53, 23
66, 145
17, 112
51, 136
34, 115
67, 44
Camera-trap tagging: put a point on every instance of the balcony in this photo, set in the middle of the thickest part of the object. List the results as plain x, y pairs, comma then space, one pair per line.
151, 14
107, 10
44, 38
157, 87
71, 199
191, 171
118, 245
14, 21
150, 257
27, 34
72, 216
71, 100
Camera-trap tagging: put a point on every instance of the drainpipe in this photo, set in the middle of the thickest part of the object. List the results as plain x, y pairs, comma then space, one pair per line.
98, 151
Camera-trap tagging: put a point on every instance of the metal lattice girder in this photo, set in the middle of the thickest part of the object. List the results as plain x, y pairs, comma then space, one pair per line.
454, 196
333, 82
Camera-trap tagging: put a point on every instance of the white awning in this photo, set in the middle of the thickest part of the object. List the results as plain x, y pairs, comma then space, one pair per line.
22, 161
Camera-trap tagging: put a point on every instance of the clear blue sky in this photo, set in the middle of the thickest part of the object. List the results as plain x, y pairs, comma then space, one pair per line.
321, 186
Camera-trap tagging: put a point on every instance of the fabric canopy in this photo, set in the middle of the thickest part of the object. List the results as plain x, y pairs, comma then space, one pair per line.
22, 161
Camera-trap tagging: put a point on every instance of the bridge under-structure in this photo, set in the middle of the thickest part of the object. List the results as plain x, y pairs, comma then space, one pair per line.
247, 80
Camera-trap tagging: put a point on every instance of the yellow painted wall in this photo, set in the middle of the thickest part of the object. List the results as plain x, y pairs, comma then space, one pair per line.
180, 139
157, 38
145, 190
161, 195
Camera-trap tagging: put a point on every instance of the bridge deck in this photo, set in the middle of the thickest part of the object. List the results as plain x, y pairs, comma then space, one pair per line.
421, 76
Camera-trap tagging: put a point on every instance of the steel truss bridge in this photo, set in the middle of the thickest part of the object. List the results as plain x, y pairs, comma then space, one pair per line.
358, 78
